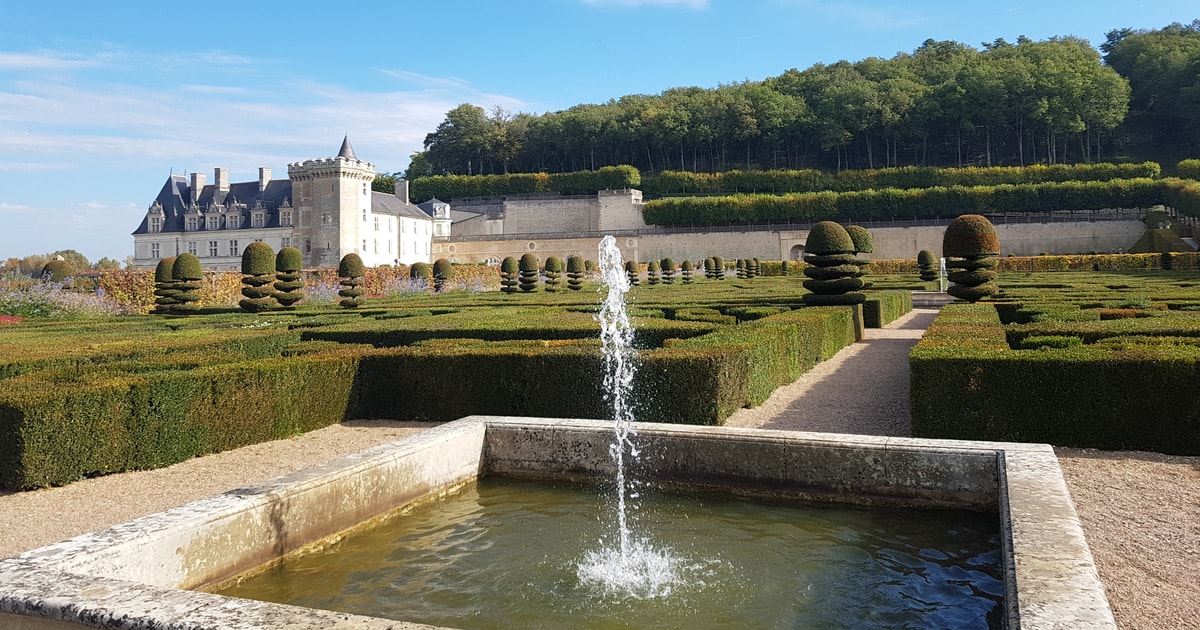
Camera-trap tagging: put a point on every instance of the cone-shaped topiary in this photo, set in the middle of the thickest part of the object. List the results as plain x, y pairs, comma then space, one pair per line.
687, 271
57, 271
187, 273
633, 273
554, 267
927, 265
969, 244
509, 272
289, 282
669, 268
423, 272
576, 268
443, 271
833, 276
258, 273
652, 272
165, 291
529, 272
351, 271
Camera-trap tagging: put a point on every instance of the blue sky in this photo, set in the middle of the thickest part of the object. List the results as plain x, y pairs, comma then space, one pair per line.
101, 101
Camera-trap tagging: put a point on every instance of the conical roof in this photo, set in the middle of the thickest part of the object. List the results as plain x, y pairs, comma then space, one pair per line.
347, 150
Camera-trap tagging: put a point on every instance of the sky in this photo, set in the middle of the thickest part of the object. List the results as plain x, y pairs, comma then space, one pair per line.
101, 101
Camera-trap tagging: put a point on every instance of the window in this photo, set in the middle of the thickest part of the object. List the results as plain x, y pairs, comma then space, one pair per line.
364, 188
191, 247
233, 222
326, 218
154, 251
192, 224
364, 215
256, 220
285, 217
376, 224
389, 242
155, 226
403, 226
212, 222
364, 249
375, 246
308, 246
286, 242
212, 249
233, 248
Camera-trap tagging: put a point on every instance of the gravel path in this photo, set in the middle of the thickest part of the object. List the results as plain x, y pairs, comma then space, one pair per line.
1140, 511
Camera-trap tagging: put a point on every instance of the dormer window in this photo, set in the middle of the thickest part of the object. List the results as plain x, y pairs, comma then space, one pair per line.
257, 220
233, 221
213, 222
285, 217
192, 224
155, 225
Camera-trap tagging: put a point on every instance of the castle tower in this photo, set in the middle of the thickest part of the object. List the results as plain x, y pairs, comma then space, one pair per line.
332, 197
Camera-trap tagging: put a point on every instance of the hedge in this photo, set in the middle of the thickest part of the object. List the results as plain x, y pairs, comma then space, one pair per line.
966, 383
940, 201
884, 307
451, 187
1188, 169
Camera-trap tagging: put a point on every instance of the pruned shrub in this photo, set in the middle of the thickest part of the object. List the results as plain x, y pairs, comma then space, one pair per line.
289, 281
442, 272
351, 271
652, 272
187, 273
554, 267
710, 268
668, 270
1043, 342
57, 271
165, 292
832, 269
753, 267
423, 272
633, 273
969, 244
718, 268
927, 265
589, 266
740, 268
687, 272
509, 275
529, 273
576, 268
258, 274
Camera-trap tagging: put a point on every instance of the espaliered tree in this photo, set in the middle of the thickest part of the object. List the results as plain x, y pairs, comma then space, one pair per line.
669, 269
688, 272
529, 272
652, 272
351, 271
421, 272
970, 245
576, 268
258, 274
927, 265
165, 292
187, 274
554, 267
443, 271
633, 273
289, 281
509, 273
863, 244
832, 272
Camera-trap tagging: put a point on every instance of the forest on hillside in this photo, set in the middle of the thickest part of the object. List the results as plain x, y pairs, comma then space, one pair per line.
946, 103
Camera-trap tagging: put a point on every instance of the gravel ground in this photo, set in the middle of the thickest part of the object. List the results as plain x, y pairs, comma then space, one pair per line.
1140, 511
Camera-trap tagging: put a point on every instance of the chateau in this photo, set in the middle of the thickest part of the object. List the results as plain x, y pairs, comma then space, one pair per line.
325, 208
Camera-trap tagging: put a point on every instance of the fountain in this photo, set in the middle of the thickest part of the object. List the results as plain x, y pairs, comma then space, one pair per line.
134, 575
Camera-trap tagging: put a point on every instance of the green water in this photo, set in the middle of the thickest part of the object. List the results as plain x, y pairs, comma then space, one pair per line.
506, 554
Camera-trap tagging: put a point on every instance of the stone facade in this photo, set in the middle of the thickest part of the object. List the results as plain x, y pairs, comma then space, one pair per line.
325, 208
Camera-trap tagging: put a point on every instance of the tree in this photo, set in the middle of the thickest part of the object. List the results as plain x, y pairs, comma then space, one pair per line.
1163, 70
57, 270
106, 264
76, 260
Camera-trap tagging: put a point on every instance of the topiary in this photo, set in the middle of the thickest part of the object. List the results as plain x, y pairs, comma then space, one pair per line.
289, 282
1166, 261
718, 268
832, 272
669, 268
863, 244
633, 273
752, 268
969, 243
589, 266
554, 267
652, 275
509, 272
529, 272
927, 265
165, 292
740, 268
688, 271
186, 272
423, 272
57, 271
442, 271
576, 268
258, 273
710, 268
351, 271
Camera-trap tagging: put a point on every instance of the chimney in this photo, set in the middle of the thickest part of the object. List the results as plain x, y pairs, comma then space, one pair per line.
221, 179
402, 190
264, 177
197, 186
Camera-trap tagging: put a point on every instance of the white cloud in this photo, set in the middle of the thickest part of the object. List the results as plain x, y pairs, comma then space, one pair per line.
22, 61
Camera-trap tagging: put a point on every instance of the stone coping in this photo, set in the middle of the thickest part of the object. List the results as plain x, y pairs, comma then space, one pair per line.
133, 575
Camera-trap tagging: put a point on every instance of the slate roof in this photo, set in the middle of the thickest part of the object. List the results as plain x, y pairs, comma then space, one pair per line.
176, 195
383, 203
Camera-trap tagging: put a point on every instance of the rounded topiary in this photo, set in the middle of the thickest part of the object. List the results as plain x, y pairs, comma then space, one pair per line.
927, 265
864, 243
289, 282
753, 266
687, 271
165, 291
969, 243
718, 268
832, 270
669, 269
710, 268
509, 274
422, 272
633, 273
554, 267
529, 272
442, 272
589, 265
740, 268
576, 268
652, 272
186, 272
258, 269
351, 271
1166, 261
57, 270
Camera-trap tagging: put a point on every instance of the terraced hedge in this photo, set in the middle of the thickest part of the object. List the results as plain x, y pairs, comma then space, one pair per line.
576, 182
1124, 391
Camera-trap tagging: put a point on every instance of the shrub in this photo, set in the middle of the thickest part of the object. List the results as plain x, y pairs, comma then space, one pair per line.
832, 272
687, 271
529, 272
289, 281
576, 268
164, 286
187, 273
740, 268
753, 268
443, 271
554, 267
969, 244
57, 271
589, 266
258, 273
422, 271
1040, 342
633, 273
1188, 169
927, 265
710, 268
509, 273
668, 270
351, 271
652, 272
718, 268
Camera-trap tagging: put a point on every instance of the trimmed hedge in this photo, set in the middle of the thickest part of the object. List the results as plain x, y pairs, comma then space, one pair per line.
452, 187
884, 307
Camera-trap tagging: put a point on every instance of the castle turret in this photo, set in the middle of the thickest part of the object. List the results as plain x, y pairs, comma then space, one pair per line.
332, 197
